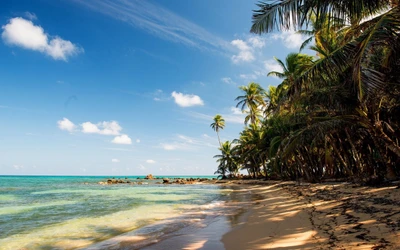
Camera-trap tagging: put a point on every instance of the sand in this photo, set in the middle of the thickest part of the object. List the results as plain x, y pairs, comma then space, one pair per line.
320, 216
287, 215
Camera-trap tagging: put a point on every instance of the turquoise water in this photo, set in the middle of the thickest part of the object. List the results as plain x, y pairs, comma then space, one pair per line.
40, 212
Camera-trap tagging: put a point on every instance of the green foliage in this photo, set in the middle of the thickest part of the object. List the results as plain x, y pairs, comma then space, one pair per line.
333, 116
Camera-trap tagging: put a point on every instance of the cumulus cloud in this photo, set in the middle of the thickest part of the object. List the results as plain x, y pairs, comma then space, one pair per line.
122, 139
23, 33
66, 124
151, 161
137, 141
257, 42
102, 128
187, 100
245, 52
115, 160
291, 39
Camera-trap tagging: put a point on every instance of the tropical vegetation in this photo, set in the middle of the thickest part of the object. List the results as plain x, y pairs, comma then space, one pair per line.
335, 114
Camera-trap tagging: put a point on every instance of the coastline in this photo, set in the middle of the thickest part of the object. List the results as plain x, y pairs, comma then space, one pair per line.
251, 214
285, 215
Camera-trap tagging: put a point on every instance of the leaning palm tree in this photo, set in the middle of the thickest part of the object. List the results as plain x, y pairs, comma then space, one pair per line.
295, 64
251, 99
219, 123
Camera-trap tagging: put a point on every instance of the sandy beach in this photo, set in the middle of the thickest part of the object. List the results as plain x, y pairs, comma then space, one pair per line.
290, 216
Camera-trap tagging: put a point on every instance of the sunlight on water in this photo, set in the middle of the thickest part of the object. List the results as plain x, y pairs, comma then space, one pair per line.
20, 209
6, 197
74, 212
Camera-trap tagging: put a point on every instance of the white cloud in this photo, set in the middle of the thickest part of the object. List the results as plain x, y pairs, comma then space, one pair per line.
272, 65
206, 136
151, 161
168, 147
245, 52
137, 141
291, 39
257, 42
158, 21
187, 100
66, 124
240, 44
248, 76
236, 111
102, 128
122, 139
245, 56
18, 167
141, 167
115, 160
228, 80
23, 33
30, 15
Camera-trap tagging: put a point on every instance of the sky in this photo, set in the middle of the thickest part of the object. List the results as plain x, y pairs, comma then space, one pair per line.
126, 87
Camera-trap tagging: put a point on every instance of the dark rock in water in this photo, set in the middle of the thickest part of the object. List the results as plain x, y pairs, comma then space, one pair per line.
149, 177
165, 181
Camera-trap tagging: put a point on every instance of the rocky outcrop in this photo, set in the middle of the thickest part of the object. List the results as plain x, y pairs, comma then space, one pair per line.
113, 181
149, 177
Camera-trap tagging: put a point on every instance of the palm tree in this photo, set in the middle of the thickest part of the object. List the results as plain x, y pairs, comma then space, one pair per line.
252, 99
295, 65
219, 123
227, 161
338, 115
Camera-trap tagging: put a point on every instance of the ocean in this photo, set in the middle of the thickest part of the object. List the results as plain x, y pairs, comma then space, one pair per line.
72, 212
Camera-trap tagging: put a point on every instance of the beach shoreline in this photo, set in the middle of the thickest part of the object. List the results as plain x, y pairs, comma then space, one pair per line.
288, 215
244, 214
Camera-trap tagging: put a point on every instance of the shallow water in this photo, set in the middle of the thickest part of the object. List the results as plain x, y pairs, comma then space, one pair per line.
76, 212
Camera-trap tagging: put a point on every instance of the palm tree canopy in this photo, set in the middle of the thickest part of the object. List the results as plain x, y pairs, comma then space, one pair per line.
219, 123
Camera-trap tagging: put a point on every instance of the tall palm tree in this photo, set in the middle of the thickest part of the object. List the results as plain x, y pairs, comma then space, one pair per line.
227, 161
252, 99
219, 123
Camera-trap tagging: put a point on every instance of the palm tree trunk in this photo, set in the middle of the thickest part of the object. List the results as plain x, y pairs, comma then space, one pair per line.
219, 140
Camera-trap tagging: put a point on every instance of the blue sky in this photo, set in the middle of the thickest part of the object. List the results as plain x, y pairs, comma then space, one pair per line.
124, 87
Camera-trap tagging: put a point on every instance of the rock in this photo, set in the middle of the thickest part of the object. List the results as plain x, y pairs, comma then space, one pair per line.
165, 181
149, 177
